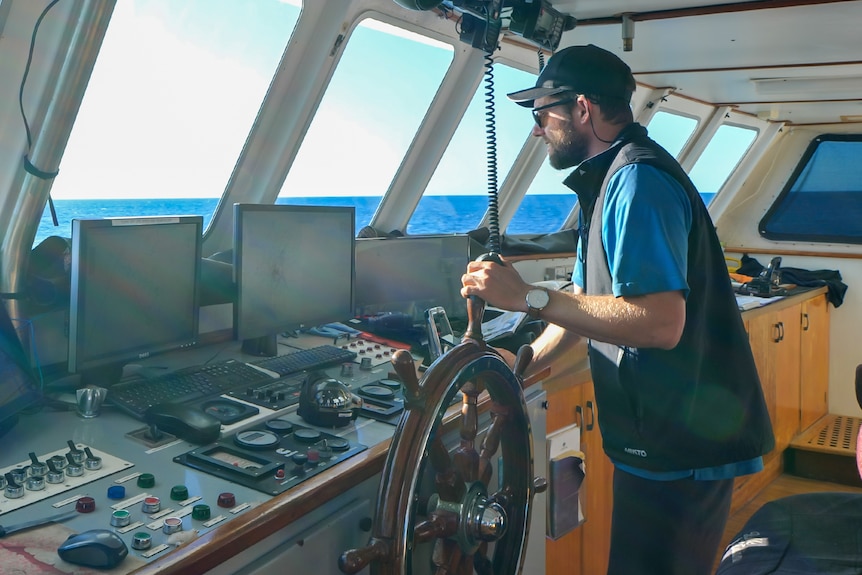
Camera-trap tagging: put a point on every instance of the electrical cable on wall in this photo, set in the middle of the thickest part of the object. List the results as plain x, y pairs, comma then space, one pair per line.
28, 165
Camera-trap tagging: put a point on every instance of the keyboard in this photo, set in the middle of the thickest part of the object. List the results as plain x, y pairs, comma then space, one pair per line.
306, 359
214, 379
183, 386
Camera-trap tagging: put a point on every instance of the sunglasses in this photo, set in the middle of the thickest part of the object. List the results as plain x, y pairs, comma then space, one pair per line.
537, 112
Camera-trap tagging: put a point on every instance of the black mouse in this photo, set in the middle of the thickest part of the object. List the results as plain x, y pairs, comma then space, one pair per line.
184, 421
97, 548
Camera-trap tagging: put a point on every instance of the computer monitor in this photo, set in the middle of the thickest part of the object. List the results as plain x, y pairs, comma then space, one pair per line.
293, 268
414, 273
134, 291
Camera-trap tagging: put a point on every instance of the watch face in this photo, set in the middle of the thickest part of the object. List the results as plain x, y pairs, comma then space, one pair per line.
537, 298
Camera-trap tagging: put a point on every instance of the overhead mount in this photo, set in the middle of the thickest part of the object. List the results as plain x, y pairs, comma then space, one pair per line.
482, 21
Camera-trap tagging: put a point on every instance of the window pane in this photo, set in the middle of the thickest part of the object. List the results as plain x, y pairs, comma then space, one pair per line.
823, 199
546, 204
152, 125
457, 195
374, 115
671, 131
721, 156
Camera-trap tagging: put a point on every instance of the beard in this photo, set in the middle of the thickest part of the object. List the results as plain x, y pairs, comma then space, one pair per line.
566, 148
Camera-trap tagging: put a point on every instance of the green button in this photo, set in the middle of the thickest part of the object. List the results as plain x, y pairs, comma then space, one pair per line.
146, 480
201, 512
179, 493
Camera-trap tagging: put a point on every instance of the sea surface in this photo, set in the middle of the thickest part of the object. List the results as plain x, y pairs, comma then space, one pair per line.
538, 214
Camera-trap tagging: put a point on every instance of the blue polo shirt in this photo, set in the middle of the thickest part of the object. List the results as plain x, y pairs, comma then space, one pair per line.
646, 219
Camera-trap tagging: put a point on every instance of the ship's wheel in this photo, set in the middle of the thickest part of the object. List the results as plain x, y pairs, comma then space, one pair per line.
456, 517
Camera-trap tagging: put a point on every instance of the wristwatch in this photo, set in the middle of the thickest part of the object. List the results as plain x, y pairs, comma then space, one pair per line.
537, 299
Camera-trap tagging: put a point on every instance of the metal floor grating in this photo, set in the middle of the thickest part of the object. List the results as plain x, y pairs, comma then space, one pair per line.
831, 434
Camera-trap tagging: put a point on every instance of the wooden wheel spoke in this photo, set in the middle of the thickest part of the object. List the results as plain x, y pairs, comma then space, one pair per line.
446, 557
438, 526
491, 444
466, 457
448, 481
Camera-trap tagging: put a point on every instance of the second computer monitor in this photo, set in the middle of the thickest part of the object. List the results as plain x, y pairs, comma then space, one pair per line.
294, 269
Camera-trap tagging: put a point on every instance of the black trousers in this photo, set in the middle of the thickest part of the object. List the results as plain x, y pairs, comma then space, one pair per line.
667, 527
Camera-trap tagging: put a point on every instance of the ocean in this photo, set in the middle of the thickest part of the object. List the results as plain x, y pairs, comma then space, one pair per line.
538, 214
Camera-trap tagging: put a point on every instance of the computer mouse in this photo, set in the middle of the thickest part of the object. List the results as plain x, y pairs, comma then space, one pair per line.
97, 548
185, 421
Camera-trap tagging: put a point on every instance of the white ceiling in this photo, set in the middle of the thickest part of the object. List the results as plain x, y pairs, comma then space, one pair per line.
713, 57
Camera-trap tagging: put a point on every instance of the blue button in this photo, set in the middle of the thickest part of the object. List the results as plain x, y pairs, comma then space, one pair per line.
116, 492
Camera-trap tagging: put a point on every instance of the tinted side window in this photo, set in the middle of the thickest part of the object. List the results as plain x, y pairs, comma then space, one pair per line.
822, 201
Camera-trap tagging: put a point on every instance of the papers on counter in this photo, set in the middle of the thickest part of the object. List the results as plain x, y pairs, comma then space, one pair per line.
745, 302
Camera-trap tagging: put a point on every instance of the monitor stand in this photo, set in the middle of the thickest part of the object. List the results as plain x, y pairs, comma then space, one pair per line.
103, 376
264, 346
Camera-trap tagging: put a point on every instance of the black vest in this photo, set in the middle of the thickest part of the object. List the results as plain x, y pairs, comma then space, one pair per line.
699, 404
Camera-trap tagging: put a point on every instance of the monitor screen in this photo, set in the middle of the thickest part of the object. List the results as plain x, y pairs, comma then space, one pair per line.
293, 267
412, 274
134, 291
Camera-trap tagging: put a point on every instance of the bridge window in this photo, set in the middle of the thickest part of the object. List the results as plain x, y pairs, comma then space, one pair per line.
720, 157
372, 108
456, 198
671, 131
822, 199
173, 93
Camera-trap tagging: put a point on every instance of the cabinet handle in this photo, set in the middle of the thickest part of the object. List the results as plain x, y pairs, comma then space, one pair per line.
781, 330
776, 328
806, 322
592, 416
579, 416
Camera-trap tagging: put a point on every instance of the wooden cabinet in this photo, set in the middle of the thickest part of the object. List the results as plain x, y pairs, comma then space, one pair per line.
585, 549
775, 342
790, 343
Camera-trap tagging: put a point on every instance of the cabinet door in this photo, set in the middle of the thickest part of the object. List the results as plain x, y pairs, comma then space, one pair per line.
814, 358
583, 551
785, 355
598, 489
775, 340
564, 555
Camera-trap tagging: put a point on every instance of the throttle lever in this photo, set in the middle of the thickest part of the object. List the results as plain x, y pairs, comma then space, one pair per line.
476, 305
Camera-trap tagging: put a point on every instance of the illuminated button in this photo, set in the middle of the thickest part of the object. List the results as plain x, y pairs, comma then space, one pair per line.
172, 525
201, 512
279, 473
116, 492
179, 493
120, 518
151, 505
141, 540
146, 480
85, 505
226, 500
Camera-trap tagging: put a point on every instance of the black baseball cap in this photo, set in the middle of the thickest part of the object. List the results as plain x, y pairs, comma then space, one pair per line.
586, 70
